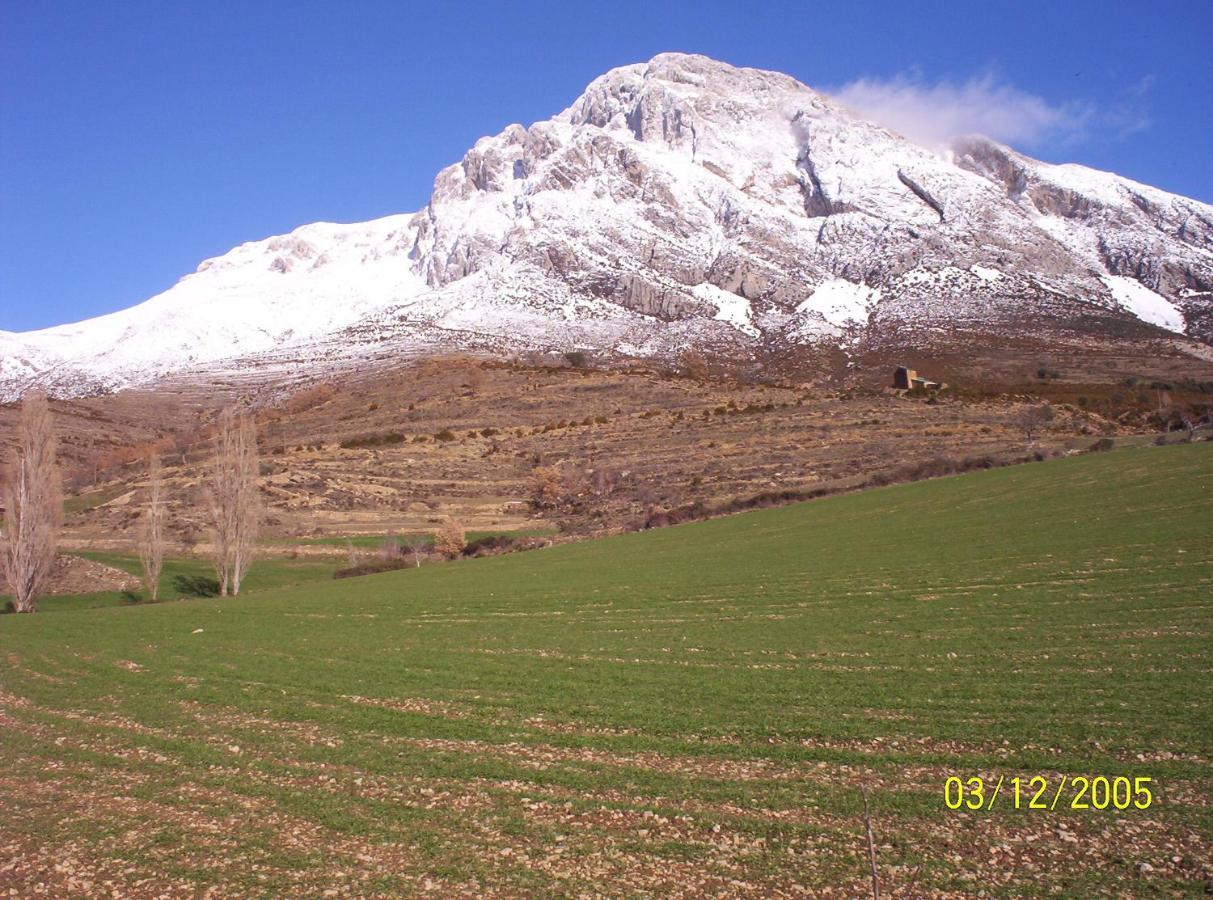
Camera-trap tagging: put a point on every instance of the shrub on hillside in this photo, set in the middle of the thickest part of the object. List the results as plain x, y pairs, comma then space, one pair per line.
449, 540
547, 487
694, 365
935, 467
372, 440
490, 544
929, 468
310, 398
371, 567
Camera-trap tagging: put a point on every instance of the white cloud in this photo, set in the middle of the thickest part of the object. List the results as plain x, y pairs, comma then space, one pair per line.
932, 114
1130, 114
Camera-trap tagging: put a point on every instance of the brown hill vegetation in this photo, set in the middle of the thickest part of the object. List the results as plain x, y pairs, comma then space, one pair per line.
500, 446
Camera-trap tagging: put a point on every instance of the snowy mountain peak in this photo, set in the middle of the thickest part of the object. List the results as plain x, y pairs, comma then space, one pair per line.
679, 203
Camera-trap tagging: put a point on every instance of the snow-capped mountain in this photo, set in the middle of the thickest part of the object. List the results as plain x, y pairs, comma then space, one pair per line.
681, 203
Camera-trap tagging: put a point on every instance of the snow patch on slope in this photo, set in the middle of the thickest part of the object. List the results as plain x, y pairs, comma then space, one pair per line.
730, 308
1144, 303
840, 302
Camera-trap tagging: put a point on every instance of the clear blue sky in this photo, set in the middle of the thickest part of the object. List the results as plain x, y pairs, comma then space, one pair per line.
138, 138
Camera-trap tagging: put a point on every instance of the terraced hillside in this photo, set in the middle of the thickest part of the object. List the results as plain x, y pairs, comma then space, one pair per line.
689, 711
402, 450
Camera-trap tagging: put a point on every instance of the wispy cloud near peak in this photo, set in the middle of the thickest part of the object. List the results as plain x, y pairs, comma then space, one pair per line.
934, 113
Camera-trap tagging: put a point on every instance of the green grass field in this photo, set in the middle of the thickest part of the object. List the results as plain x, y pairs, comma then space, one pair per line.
692, 711
182, 578
194, 577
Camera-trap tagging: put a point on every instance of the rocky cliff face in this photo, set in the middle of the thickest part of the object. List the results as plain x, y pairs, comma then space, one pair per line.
686, 203
1111, 225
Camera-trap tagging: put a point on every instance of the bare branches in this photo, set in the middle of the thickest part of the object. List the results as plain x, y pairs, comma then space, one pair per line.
414, 545
1033, 419
234, 505
151, 529
417, 548
33, 505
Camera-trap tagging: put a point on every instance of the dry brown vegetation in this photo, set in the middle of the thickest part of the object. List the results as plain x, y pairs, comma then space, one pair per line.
449, 540
503, 447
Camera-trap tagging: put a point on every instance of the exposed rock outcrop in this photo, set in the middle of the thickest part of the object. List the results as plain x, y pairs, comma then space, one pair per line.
676, 202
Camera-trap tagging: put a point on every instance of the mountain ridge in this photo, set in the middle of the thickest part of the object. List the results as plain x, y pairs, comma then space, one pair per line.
682, 204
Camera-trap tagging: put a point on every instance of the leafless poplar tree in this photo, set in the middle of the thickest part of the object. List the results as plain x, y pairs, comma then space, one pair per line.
33, 505
151, 529
234, 505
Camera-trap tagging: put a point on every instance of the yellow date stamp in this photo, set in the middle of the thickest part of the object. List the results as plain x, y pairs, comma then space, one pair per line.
1038, 792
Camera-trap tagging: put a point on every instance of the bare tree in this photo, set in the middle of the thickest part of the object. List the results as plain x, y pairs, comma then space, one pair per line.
449, 540
694, 365
180, 441
1191, 418
605, 480
473, 378
234, 505
151, 529
417, 547
92, 458
33, 505
407, 545
1032, 420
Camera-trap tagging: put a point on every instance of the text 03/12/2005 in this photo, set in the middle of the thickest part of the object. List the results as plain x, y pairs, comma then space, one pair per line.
1042, 793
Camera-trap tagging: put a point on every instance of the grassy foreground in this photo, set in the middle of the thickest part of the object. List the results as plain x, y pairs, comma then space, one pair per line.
689, 711
182, 578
